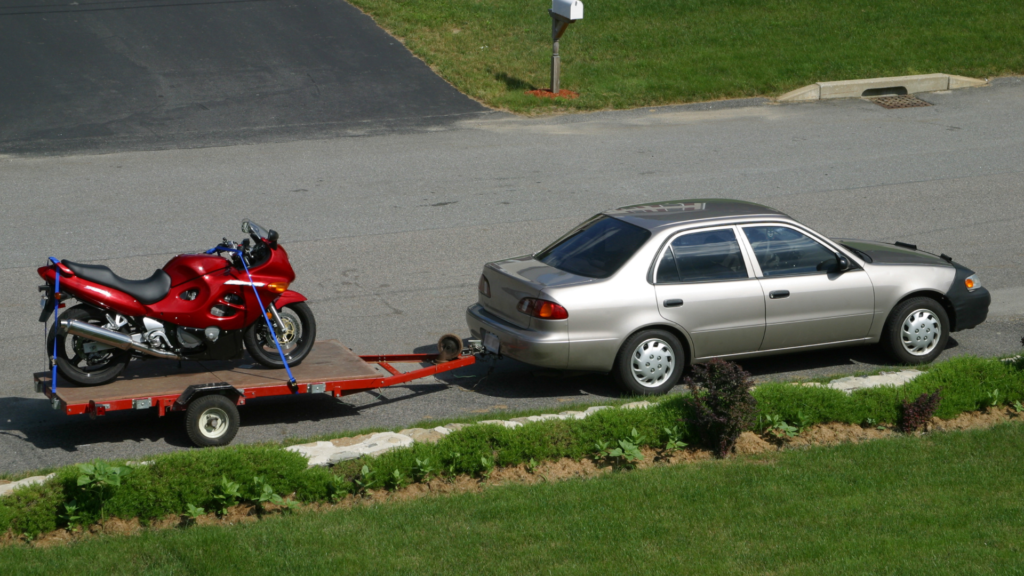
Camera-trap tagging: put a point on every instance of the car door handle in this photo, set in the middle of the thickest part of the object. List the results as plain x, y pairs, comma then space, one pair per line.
778, 294
672, 303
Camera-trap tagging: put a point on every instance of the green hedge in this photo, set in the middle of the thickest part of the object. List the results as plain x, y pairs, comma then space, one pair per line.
176, 480
965, 382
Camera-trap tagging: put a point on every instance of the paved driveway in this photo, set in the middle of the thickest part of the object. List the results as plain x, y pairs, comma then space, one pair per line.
388, 235
104, 75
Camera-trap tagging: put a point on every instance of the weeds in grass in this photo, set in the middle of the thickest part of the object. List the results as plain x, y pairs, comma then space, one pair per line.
991, 399
99, 480
70, 517
803, 422
265, 495
396, 480
193, 513
225, 495
919, 412
674, 439
1018, 407
487, 467
872, 423
627, 452
367, 480
453, 463
774, 425
423, 470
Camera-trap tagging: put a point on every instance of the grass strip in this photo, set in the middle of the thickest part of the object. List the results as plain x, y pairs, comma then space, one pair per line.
175, 481
654, 52
941, 504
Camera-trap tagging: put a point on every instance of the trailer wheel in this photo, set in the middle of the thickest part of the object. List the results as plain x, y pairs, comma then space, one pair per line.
211, 420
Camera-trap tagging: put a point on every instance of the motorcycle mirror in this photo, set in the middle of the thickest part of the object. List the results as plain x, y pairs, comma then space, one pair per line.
246, 227
272, 237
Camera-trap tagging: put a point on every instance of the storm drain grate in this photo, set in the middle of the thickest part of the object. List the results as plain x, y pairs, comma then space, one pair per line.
904, 101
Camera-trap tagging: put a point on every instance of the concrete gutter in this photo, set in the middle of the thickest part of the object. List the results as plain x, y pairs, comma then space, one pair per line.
880, 87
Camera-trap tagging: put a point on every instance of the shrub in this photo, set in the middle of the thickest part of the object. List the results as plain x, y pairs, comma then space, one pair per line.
919, 412
721, 403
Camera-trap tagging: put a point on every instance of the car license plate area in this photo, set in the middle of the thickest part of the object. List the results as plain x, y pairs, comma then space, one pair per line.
491, 342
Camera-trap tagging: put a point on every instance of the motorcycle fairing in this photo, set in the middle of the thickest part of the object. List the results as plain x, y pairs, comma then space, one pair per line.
205, 291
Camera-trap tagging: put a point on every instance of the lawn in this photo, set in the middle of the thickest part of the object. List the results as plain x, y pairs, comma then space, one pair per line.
939, 504
626, 54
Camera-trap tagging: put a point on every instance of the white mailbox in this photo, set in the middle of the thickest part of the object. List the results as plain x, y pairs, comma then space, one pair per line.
568, 9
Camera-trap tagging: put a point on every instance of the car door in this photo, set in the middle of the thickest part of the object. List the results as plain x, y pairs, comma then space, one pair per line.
705, 284
808, 300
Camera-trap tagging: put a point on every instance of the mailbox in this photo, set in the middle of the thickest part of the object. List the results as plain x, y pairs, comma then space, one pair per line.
563, 13
568, 9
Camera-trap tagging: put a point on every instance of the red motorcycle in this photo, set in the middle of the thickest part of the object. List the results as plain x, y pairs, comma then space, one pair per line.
198, 307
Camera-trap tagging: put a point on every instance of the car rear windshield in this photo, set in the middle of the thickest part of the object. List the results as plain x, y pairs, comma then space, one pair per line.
595, 249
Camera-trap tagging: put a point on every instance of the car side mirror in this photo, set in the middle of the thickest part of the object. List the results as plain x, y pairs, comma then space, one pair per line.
843, 262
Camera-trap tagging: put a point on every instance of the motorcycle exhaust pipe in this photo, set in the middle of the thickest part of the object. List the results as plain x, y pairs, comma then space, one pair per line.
111, 338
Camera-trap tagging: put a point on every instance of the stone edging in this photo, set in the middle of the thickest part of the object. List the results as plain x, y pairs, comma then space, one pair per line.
328, 453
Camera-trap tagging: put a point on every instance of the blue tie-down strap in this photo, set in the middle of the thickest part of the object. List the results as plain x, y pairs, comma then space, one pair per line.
273, 335
56, 326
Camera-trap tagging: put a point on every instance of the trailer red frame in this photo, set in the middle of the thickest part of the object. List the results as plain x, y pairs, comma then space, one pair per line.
330, 368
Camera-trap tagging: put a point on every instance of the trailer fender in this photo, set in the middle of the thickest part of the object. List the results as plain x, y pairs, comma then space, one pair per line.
197, 390
288, 297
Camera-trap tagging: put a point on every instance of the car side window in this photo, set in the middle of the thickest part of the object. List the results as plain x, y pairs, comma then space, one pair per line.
782, 251
708, 256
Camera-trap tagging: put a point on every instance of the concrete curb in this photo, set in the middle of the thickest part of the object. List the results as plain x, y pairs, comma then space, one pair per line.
880, 87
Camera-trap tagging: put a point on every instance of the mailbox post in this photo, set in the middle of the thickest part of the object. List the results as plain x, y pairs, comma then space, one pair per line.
563, 13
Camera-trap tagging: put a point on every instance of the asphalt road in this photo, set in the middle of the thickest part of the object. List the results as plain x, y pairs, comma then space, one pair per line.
388, 234
104, 75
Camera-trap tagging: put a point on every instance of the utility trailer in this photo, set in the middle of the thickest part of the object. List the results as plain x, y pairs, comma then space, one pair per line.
209, 392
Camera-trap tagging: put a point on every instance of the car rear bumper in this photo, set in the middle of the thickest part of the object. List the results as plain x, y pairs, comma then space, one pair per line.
544, 349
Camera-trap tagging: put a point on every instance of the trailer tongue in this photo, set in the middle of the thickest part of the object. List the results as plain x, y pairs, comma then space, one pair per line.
210, 392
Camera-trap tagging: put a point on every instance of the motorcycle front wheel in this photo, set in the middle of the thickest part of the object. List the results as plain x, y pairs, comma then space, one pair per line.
83, 361
296, 339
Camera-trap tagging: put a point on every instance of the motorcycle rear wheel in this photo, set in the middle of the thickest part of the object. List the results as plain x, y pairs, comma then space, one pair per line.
296, 339
78, 359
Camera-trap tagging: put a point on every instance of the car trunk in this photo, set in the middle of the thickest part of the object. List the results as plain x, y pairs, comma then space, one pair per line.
517, 278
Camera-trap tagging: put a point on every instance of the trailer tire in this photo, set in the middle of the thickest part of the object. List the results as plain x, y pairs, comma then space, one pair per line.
211, 420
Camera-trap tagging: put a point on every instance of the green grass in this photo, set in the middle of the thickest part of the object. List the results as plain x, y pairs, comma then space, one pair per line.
942, 504
634, 53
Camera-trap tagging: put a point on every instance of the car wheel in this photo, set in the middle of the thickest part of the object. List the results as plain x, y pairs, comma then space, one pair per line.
916, 331
650, 363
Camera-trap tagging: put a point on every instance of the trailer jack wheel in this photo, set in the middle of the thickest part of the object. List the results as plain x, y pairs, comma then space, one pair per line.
211, 420
449, 347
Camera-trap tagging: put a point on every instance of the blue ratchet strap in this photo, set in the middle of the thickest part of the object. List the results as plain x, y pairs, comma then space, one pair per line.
56, 326
241, 257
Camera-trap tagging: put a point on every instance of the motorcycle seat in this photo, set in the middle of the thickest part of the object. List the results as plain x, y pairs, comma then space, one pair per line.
148, 291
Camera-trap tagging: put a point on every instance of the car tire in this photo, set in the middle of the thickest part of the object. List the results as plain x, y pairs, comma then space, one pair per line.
916, 331
650, 363
211, 420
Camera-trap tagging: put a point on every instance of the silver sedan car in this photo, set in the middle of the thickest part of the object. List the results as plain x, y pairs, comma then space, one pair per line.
641, 291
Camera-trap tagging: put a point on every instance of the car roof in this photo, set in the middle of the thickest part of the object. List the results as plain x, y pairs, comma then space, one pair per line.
653, 215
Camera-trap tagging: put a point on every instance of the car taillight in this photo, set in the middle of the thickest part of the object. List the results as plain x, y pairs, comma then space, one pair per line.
543, 309
484, 286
